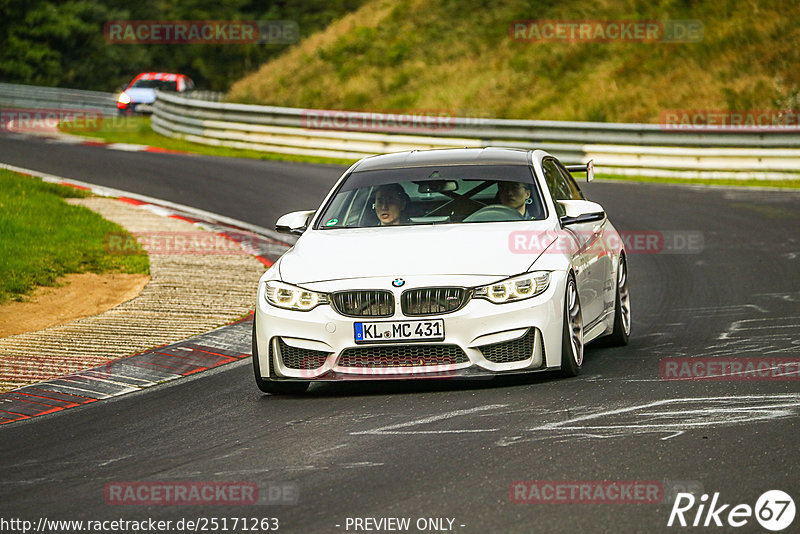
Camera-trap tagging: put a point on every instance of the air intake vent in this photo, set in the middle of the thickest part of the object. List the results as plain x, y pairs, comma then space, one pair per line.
402, 356
515, 350
297, 358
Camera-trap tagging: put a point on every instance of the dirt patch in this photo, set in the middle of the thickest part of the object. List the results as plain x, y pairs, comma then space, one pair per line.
79, 295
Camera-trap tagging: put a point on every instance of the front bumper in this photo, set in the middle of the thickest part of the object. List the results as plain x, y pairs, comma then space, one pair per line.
481, 338
134, 107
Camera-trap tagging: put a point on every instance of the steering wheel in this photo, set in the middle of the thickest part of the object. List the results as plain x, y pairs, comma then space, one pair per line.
494, 213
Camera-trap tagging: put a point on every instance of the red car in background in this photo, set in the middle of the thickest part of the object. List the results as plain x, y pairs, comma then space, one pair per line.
139, 95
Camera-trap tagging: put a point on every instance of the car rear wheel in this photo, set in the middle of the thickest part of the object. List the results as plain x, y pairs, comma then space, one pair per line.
270, 386
572, 334
622, 308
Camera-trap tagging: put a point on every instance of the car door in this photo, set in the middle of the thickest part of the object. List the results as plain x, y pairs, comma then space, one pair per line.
589, 254
601, 264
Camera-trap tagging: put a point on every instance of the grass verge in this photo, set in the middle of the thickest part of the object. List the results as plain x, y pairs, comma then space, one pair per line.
447, 55
136, 130
42, 237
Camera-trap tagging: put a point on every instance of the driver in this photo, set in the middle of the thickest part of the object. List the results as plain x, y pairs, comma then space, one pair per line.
517, 196
390, 202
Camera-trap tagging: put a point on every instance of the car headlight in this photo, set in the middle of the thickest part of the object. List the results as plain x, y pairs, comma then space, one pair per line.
124, 99
517, 288
292, 297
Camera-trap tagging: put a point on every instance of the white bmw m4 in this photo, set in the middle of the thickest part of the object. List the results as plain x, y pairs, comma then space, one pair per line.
442, 264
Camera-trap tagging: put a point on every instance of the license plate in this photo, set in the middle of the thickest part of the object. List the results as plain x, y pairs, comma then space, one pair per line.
399, 331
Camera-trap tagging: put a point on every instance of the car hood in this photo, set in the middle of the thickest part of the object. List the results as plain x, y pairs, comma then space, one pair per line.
464, 249
141, 95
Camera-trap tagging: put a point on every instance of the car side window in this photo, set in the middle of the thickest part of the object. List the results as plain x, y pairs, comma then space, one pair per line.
575, 191
558, 184
561, 184
355, 208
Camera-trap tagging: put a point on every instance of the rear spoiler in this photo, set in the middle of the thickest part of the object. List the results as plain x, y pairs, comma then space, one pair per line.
588, 168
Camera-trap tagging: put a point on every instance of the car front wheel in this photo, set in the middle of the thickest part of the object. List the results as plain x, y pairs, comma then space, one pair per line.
622, 308
572, 333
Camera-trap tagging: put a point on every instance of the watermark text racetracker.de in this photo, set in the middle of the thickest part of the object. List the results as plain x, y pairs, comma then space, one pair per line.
586, 491
35, 368
731, 368
180, 243
201, 32
48, 120
199, 493
601, 491
400, 121
388, 367
184, 524
744, 120
606, 31
634, 241
33, 120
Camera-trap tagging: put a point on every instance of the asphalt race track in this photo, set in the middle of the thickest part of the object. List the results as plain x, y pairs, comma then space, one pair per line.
452, 449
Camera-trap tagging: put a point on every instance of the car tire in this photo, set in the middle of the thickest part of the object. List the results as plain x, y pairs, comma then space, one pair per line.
271, 386
572, 332
622, 308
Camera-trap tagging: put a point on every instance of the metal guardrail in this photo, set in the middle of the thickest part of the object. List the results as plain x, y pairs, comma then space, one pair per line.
16, 96
202, 94
35, 97
643, 149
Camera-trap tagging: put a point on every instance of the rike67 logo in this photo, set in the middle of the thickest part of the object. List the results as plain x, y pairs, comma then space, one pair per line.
774, 510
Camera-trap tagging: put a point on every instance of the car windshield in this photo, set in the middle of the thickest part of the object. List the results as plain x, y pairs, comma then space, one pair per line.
434, 195
156, 84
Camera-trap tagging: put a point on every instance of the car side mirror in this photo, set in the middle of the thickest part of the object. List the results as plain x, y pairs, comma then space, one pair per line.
581, 211
294, 223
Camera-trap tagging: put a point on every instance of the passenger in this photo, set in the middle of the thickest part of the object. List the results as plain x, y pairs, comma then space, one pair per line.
391, 201
517, 196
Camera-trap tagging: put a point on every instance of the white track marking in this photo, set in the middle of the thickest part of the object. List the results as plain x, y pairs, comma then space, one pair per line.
720, 310
789, 297
393, 429
355, 465
670, 416
747, 325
